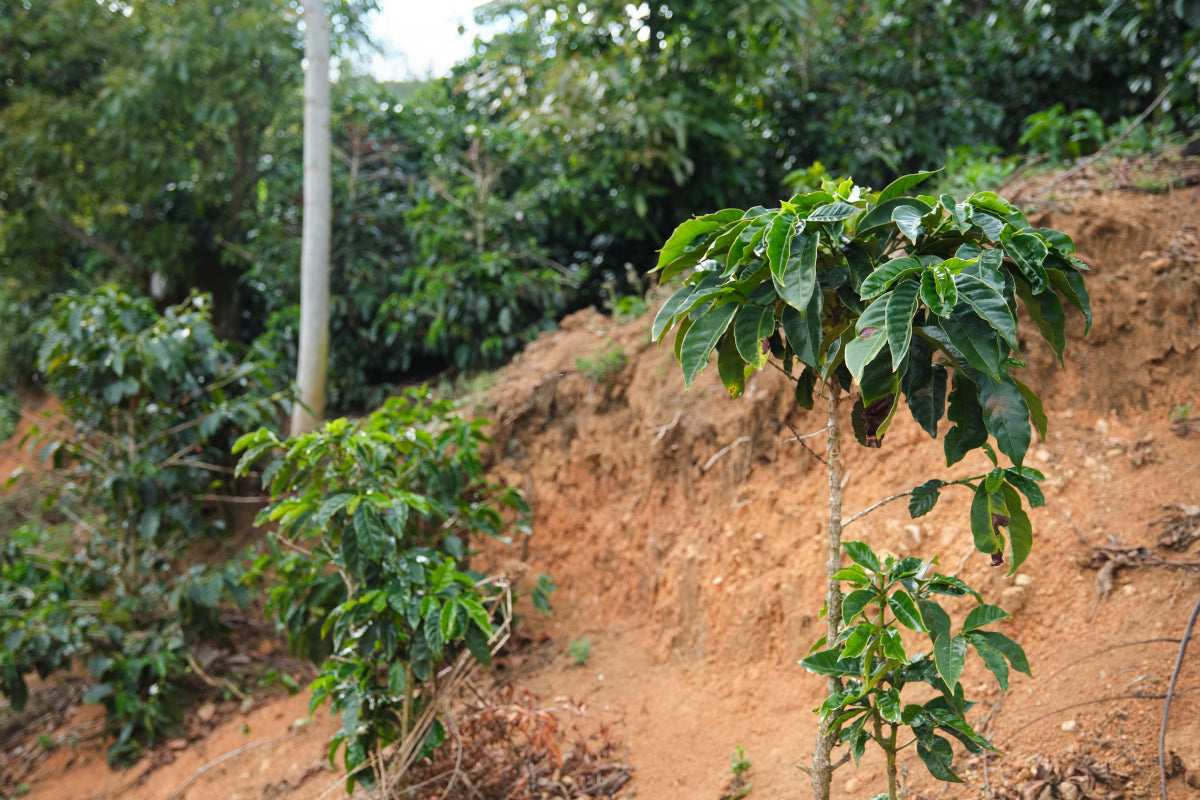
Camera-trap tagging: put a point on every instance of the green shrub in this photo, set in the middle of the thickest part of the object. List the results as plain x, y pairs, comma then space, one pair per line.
603, 364
370, 557
152, 403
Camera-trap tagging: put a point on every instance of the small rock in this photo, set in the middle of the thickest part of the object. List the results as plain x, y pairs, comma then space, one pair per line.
1024, 579
1101, 426
1160, 264
1043, 455
1069, 791
1070, 726
178, 744
206, 712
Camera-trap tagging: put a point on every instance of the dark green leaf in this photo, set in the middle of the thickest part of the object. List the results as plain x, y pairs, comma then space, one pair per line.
796, 278
779, 245
1071, 284
857, 639
731, 367
908, 220
969, 431
680, 252
862, 554
886, 274
987, 509
477, 643
938, 755
993, 659
893, 648
1046, 310
905, 611
1006, 416
870, 337
902, 304
1029, 251
950, 655
805, 385
827, 662
1036, 412
701, 338
665, 316
1026, 485
1011, 650
371, 533
752, 326
974, 339
803, 331
989, 305
935, 620
855, 602
833, 212
902, 184
982, 616
1020, 529
924, 498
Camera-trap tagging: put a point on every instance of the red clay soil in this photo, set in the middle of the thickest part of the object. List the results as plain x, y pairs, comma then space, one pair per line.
685, 533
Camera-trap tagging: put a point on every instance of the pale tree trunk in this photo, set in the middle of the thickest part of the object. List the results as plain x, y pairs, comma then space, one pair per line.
314, 253
822, 768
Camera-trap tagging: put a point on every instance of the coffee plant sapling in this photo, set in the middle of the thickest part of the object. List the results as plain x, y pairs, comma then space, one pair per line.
897, 295
369, 557
870, 657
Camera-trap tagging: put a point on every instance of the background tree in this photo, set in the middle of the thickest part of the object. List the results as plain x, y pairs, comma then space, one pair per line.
313, 361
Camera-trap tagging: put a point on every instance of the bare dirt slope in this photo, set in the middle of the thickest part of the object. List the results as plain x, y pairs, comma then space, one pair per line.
685, 532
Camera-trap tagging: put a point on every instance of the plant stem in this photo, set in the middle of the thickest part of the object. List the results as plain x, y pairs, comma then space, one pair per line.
822, 769
891, 765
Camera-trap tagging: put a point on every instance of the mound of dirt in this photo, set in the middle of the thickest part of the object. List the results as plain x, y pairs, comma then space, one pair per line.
685, 531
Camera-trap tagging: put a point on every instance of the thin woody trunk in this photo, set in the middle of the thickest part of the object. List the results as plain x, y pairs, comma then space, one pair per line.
822, 768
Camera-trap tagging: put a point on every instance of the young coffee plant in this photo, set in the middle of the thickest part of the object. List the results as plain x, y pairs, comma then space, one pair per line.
870, 658
370, 557
897, 296
151, 403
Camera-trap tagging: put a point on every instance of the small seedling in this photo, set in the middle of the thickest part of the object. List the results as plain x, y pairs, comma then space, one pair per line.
581, 650
739, 768
603, 365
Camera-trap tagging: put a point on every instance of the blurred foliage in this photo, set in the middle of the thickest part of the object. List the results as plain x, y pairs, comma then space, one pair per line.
159, 146
151, 404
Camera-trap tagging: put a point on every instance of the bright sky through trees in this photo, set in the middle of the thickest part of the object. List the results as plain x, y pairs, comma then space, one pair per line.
420, 38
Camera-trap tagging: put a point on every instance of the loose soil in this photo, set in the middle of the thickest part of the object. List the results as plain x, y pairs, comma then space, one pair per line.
685, 532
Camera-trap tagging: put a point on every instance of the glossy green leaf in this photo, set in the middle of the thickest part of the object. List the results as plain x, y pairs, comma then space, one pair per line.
1029, 251
779, 244
665, 316
1006, 416
1020, 529
796, 278
982, 616
827, 662
857, 639
1046, 311
804, 331
731, 367
989, 305
905, 611
938, 292
950, 656
860, 553
903, 184
805, 384
881, 215
855, 602
751, 327
833, 212
853, 574
974, 339
680, 252
701, 338
924, 386
991, 226
901, 305
924, 498
908, 220
1036, 412
987, 509
1071, 284
886, 274
870, 337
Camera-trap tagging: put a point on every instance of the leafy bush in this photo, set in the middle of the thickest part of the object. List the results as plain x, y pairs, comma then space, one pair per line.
371, 557
604, 364
869, 655
1063, 136
152, 402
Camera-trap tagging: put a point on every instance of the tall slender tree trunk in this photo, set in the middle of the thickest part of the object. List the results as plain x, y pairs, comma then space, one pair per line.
312, 369
822, 768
